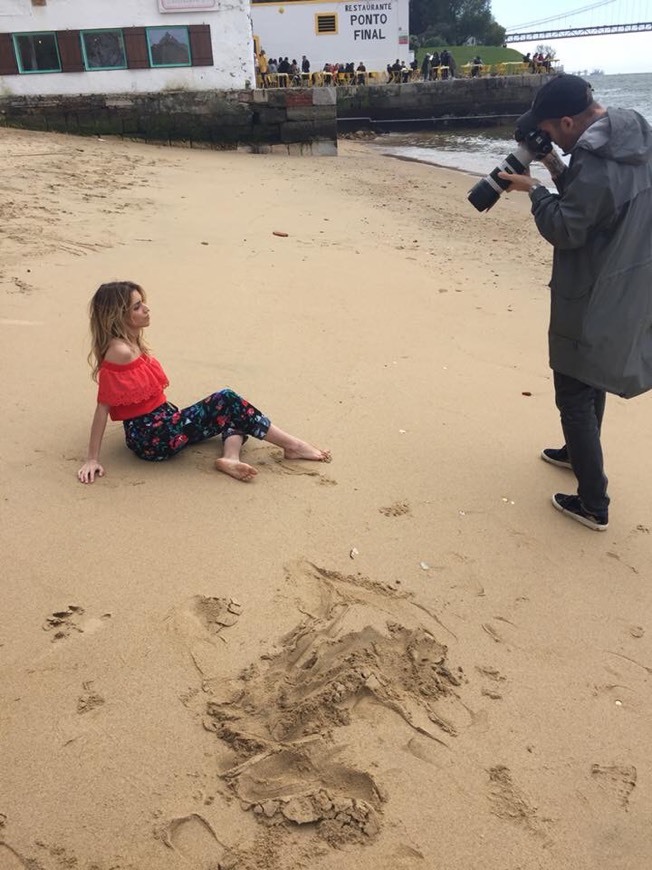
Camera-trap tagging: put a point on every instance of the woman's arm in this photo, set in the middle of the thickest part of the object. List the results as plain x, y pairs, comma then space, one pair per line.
92, 465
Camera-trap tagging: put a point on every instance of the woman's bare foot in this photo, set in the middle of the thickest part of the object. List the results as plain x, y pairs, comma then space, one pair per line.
235, 468
303, 450
295, 448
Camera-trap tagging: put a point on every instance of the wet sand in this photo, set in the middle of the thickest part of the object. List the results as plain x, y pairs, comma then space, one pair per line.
403, 659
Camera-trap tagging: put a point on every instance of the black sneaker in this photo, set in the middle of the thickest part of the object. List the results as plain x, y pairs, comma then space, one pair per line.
557, 457
572, 507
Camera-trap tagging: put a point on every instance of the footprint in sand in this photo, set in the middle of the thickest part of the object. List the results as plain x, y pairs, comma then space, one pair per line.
205, 617
63, 623
302, 785
508, 801
22, 286
89, 699
424, 749
200, 623
398, 509
493, 680
619, 780
194, 839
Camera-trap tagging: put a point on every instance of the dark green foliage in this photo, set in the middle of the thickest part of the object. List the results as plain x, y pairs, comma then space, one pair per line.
454, 21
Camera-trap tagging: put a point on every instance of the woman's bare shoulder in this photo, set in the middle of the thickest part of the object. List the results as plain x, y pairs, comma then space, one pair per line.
120, 353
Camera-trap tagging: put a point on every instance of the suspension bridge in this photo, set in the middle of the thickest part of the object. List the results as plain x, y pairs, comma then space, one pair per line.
627, 16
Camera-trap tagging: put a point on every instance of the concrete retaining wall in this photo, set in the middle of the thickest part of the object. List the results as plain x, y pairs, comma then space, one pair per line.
296, 120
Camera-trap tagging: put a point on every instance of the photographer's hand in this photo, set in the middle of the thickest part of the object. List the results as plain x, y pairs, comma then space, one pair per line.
524, 183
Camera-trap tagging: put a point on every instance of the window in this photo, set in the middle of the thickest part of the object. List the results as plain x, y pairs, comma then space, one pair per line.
168, 46
103, 49
37, 52
326, 23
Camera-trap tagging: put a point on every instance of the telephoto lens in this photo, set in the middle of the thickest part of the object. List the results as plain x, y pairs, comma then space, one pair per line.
532, 144
486, 192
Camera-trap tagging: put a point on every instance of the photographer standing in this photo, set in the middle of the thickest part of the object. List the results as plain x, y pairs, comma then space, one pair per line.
600, 225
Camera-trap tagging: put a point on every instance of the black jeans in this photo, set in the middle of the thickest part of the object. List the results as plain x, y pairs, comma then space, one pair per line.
581, 408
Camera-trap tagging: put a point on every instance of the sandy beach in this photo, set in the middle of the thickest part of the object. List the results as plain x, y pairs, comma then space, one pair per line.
403, 659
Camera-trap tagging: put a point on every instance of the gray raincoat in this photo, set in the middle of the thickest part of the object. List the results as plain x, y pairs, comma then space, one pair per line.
600, 225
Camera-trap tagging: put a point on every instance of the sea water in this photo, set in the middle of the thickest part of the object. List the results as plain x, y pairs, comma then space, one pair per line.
478, 151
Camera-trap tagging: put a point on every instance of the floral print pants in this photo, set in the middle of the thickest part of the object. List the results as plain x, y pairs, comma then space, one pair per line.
166, 430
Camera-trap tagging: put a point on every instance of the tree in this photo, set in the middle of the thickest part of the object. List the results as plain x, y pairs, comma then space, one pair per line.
547, 50
456, 20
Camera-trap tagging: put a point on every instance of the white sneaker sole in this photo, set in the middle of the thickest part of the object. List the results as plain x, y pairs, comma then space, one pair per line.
590, 524
556, 462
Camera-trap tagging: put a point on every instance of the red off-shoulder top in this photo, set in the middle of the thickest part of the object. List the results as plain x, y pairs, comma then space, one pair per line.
132, 389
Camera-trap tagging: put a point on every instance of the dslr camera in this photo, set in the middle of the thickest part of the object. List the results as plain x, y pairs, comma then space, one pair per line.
532, 144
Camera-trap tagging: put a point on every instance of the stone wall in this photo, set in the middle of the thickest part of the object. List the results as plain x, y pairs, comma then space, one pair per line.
293, 120
297, 120
457, 102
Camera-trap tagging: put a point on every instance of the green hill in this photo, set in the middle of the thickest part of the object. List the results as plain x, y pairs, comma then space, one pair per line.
490, 54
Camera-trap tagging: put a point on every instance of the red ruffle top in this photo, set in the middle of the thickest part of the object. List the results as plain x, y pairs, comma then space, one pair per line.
132, 389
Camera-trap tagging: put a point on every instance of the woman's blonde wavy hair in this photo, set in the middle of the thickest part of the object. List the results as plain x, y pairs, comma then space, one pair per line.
108, 311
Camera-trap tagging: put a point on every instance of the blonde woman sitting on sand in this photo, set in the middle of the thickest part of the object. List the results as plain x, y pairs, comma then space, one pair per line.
131, 384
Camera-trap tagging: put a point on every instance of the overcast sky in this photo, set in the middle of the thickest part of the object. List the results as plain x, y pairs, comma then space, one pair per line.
620, 53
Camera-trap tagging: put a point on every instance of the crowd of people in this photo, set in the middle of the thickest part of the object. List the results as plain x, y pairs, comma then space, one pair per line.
295, 73
281, 72
266, 67
438, 65
538, 62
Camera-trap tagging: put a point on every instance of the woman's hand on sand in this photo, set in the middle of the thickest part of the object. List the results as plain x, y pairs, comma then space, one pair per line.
88, 471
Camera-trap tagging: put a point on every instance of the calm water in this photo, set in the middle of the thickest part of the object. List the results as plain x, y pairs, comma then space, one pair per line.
479, 151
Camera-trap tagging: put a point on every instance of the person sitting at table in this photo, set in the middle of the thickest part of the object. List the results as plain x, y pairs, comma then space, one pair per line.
435, 62
476, 66
361, 77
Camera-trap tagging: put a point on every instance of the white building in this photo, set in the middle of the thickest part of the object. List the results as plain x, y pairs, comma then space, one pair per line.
375, 32
117, 46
